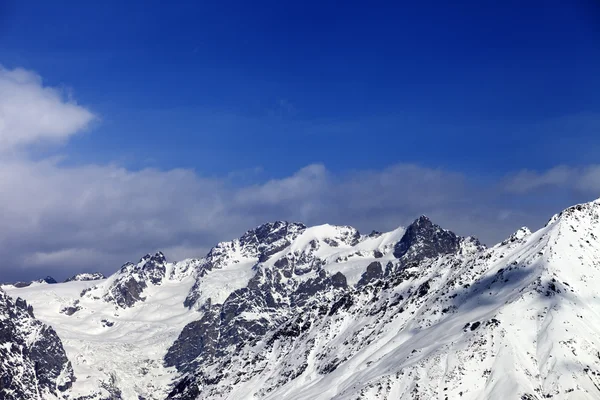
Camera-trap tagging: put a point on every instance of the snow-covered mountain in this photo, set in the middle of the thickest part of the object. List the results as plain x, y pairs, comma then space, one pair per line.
86, 276
47, 280
294, 312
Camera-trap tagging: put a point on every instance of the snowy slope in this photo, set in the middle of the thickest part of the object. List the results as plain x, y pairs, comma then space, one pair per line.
290, 312
114, 351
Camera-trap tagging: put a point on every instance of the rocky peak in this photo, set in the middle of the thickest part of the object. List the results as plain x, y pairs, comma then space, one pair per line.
154, 267
270, 238
127, 287
423, 239
158, 258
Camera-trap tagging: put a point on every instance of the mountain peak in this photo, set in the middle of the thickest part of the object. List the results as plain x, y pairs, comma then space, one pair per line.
48, 279
424, 239
157, 257
578, 211
271, 231
422, 222
423, 219
269, 238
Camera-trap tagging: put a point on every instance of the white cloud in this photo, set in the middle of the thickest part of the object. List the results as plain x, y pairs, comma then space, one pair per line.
59, 219
31, 112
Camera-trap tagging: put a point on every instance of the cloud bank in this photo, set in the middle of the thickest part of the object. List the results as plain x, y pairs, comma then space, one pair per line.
59, 219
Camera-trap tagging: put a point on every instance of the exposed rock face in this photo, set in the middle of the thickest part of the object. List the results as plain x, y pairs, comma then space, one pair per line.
33, 363
374, 271
198, 340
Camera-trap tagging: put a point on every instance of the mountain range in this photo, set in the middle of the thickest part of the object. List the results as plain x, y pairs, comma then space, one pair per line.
288, 311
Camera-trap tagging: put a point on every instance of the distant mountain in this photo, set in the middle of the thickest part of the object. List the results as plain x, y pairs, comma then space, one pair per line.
48, 279
294, 312
86, 276
20, 284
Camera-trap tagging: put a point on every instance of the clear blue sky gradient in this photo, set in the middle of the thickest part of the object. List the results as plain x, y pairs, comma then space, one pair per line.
225, 86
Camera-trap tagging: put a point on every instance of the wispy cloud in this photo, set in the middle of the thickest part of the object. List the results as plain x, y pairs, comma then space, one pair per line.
584, 179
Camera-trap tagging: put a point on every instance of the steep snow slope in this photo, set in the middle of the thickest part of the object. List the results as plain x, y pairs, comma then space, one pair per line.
290, 312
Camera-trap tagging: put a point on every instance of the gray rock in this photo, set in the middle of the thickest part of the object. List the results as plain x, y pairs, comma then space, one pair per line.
132, 279
374, 271
32, 357
423, 239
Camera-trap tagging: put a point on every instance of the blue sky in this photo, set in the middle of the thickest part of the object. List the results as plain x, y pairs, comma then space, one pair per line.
484, 79
502, 96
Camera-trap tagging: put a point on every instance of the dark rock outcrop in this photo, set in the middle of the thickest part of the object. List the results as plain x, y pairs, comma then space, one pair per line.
374, 271
132, 279
423, 239
33, 362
